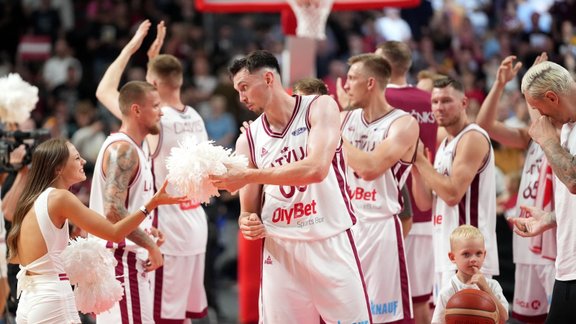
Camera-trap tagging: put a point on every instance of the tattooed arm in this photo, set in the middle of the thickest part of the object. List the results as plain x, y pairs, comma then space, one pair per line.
120, 166
563, 162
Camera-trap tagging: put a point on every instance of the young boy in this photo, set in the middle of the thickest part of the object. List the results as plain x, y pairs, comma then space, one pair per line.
468, 253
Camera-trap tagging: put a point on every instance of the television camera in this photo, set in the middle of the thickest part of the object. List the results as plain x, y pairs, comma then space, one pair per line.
11, 140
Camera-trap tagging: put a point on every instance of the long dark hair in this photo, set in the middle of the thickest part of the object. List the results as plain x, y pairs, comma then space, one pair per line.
47, 158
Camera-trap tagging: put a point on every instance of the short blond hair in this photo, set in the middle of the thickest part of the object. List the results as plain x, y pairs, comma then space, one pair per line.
375, 65
168, 69
465, 233
546, 76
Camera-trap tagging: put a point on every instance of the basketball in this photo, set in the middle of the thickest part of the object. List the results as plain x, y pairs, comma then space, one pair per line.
471, 306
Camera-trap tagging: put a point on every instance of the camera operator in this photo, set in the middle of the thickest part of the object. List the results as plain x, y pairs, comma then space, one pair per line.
16, 146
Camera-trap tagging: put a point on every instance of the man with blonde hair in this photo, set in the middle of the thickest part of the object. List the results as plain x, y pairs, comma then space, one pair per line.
550, 88
379, 144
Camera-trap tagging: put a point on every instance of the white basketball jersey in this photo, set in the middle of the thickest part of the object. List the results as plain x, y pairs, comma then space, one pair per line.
311, 212
527, 197
184, 225
565, 205
477, 207
379, 198
140, 190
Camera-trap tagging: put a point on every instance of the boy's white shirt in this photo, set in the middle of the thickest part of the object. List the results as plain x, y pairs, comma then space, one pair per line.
457, 285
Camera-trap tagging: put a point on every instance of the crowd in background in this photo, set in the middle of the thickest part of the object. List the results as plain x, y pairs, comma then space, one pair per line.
63, 47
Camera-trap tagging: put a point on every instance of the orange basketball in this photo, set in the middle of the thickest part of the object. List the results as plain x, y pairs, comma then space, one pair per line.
471, 306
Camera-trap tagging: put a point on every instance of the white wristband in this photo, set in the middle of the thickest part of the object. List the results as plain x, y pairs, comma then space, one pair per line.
145, 211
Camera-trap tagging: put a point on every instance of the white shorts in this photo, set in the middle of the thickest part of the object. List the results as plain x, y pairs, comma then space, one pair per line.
381, 251
310, 281
137, 303
49, 300
420, 261
179, 289
532, 291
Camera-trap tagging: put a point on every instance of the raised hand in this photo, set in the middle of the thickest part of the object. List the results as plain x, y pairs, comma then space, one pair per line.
540, 58
543, 129
343, 99
136, 41
156, 46
508, 70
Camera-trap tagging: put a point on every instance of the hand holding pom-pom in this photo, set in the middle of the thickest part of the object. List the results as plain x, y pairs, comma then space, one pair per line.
191, 164
90, 267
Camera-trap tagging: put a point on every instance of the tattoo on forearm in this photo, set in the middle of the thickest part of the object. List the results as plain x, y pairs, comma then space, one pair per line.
122, 166
563, 163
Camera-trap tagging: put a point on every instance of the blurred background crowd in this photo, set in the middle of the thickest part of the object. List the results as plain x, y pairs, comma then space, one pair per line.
63, 47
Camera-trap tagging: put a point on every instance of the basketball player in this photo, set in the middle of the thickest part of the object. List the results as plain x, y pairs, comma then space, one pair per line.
400, 94
468, 252
551, 89
294, 194
379, 144
123, 181
534, 276
179, 285
461, 184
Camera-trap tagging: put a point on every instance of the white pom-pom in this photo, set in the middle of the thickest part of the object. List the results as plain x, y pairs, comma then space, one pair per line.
89, 266
190, 164
18, 98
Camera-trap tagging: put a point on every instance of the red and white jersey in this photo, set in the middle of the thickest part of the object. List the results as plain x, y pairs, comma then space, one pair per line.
184, 225
140, 190
310, 212
527, 193
477, 207
417, 103
565, 205
379, 198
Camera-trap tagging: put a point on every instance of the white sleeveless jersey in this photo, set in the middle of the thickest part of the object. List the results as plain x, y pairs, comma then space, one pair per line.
565, 204
527, 197
184, 225
140, 190
311, 212
477, 207
379, 198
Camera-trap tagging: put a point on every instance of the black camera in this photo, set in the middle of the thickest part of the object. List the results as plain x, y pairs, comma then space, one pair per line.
11, 140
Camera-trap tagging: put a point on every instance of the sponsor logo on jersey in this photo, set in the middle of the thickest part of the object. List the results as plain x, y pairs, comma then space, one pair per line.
299, 210
263, 152
268, 260
299, 131
534, 304
361, 194
437, 219
424, 117
384, 308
